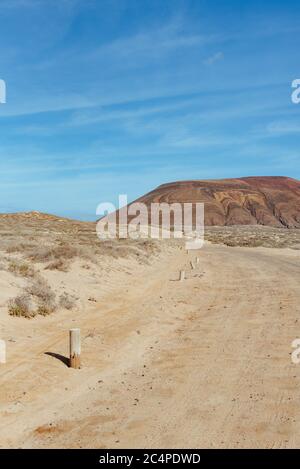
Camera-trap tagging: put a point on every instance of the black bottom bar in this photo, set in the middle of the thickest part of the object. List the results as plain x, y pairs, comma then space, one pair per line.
135, 458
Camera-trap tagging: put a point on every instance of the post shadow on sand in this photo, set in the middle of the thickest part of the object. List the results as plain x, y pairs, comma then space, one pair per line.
62, 358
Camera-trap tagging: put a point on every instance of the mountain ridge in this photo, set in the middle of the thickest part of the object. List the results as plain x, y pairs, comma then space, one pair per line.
253, 200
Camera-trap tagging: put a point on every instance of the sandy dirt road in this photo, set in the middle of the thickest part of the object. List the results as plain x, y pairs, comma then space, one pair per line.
200, 363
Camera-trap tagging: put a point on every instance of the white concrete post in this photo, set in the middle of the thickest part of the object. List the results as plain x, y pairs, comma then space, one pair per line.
75, 348
182, 275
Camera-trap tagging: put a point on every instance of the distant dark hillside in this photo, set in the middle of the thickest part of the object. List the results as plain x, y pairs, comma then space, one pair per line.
271, 201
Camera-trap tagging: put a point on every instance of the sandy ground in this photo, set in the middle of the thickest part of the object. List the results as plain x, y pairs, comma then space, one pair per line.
200, 363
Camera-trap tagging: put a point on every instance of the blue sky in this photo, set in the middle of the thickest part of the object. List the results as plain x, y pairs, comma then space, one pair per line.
118, 96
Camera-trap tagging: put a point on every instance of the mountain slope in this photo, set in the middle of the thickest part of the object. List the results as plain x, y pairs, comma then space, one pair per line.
269, 200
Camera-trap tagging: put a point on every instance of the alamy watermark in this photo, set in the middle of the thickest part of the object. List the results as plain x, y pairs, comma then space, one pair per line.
295, 356
295, 97
2, 92
155, 221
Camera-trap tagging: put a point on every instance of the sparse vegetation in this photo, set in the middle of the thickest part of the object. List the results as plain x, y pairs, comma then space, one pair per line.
58, 264
44, 310
18, 247
38, 299
253, 236
66, 301
56, 243
20, 307
21, 268
43, 294
51, 253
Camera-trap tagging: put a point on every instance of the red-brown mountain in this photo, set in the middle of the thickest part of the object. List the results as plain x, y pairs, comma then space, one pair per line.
269, 200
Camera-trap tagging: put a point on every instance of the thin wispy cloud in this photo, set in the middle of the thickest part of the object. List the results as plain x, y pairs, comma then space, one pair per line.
153, 44
214, 58
282, 128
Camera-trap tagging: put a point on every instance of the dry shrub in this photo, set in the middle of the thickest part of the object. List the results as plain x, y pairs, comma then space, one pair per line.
140, 248
20, 307
66, 301
87, 252
13, 248
44, 295
51, 253
58, 264
45, 310
19, 248
21, 268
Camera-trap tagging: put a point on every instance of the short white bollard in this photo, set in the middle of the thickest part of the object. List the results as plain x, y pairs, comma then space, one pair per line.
2, 351
182, 275
197, 260
75, 348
